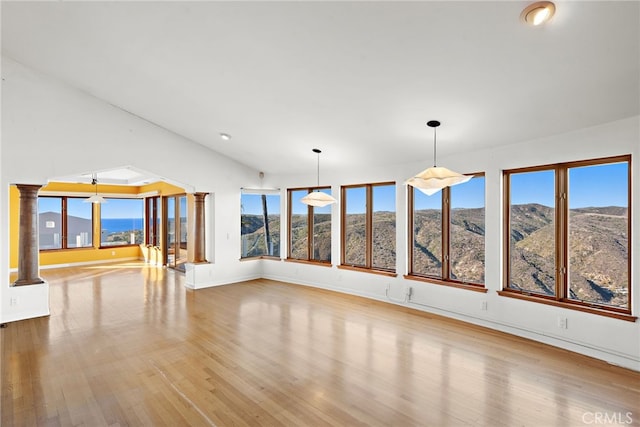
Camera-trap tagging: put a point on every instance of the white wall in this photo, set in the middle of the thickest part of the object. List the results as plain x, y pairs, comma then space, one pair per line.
49, 129
613, 340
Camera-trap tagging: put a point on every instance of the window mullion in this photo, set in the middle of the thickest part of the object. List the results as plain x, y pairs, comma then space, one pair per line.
310, 236
562, 235
446, 217
63, 225
369, 227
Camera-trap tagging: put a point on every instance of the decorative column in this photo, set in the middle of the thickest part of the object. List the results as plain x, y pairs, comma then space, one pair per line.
28, 262
198, 228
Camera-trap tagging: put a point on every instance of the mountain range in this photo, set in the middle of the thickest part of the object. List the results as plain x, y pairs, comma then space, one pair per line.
598, 247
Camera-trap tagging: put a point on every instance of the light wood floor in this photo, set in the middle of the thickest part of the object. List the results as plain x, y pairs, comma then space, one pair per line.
129, 345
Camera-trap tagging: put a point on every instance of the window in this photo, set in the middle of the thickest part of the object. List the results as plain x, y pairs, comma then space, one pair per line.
121, 222
64, 223
567, 234
369, 226
260, 223
309, 227
447, 234
153, 214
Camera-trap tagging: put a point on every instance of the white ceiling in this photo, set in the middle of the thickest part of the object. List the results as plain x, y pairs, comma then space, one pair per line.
358, 80
120, 175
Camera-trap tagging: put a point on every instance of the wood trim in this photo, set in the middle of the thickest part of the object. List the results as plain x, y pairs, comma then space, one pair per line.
410, 227
253, 258
310, 262
567, 305
506, 229
368, 270
436, 281
561, 211
445, 232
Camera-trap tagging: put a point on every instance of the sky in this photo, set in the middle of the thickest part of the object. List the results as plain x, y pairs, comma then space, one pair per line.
589, 186
252, 204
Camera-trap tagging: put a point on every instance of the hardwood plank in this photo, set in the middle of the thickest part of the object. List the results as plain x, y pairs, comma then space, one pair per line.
127, 344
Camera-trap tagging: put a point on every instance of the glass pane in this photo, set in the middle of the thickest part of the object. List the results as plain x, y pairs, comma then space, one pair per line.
322, 231
150, 202
171, 231
272, 212
427, 233
154, 220
384, 227
532, 242
79, 224
598, 234
158, 219
182, 247
50, 222
466, 232
258, 239
299, 239
121, 222
355, 243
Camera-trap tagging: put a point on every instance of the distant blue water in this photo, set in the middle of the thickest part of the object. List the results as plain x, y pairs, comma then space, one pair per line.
115, 225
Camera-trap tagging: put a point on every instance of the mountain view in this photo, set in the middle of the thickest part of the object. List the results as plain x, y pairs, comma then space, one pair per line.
384, 240
466, 244
254, 241
598, 247
598, 252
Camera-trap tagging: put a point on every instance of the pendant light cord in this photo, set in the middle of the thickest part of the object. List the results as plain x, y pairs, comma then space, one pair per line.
434, 124
434, 147
318, 174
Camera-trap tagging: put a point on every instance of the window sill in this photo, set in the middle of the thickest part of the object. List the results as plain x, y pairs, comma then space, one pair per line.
568, 305
304, 261
128, 245
459, 285
67, 249
253, 258
368, 270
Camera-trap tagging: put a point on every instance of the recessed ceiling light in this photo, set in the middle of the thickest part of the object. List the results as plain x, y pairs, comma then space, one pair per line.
538, 13
225, 136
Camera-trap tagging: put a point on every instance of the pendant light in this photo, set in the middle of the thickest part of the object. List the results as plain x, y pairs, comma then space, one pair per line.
433, 179
95, 198
318, 198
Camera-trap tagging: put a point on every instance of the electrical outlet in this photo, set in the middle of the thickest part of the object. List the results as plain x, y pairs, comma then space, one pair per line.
13, 301
562, 323
113, 253
484, 306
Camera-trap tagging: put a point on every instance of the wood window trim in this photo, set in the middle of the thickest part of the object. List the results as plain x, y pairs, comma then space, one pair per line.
310, 225
309, 262
561, 235
64, 225
268, 257
263, 256
568, 304
451, 283
151, 236
368, 270
445, 242
368, 267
